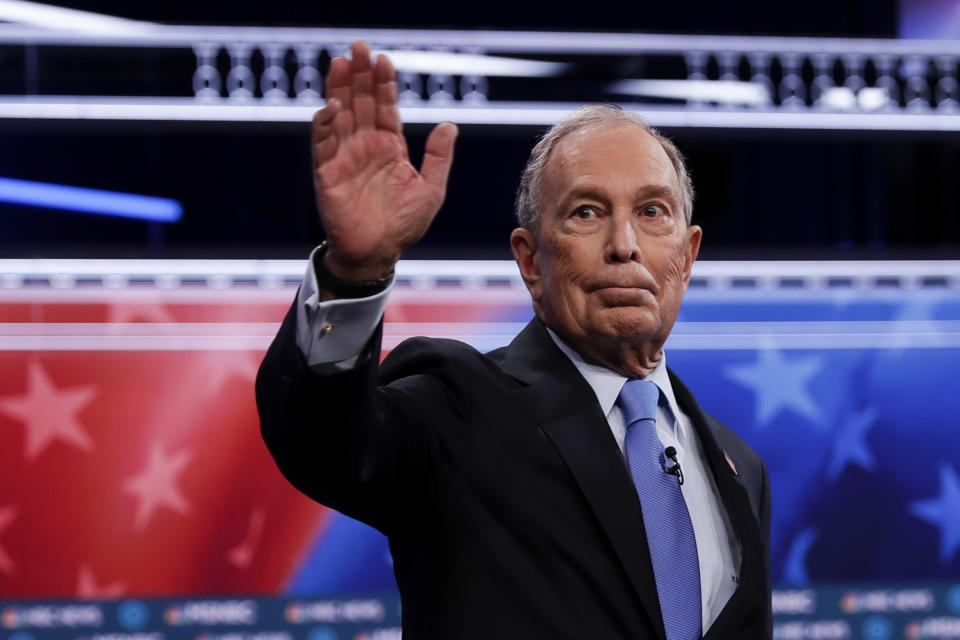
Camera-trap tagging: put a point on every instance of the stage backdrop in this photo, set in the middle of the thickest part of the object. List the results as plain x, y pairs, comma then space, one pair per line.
131, 463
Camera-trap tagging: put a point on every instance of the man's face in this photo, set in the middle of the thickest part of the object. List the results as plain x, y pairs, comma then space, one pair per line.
612, 256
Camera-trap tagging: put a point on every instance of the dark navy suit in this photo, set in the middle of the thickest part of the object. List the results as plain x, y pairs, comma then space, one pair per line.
509, 509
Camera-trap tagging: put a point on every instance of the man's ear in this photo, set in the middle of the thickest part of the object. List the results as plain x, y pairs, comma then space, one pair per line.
694, 234
523, 242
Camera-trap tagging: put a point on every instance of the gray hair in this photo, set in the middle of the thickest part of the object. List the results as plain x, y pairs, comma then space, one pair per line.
591, 116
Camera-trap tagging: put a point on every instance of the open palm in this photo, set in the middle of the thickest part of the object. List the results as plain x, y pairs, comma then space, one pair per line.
373, 202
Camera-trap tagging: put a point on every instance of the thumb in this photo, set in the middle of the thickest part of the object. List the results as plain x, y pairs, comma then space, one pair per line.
438, 155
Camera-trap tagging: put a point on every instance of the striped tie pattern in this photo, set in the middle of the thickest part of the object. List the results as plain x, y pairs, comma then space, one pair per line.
673, 548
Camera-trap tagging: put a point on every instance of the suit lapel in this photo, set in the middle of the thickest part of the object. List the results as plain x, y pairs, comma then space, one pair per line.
736, 501
561, 401
731, 484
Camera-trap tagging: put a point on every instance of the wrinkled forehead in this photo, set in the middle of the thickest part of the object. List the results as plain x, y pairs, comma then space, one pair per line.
590, 153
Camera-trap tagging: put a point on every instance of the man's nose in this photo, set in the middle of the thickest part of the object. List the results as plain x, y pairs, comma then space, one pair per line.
622, 243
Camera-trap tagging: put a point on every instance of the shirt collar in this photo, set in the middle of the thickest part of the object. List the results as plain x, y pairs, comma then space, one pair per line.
606, 383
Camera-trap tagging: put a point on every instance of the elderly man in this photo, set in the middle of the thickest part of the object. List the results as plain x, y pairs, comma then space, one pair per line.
565, 486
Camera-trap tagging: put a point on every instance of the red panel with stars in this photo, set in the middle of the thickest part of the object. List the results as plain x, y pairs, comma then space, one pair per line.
130, 456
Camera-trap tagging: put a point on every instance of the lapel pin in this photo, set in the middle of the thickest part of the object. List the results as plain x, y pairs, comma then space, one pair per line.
733, 467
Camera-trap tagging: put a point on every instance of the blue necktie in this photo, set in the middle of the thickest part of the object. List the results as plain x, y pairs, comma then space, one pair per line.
673, 548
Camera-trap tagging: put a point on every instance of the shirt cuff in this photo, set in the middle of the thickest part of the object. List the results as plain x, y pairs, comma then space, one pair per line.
335, 332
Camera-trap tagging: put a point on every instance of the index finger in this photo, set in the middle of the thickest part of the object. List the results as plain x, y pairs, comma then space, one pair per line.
385, 90
338, 82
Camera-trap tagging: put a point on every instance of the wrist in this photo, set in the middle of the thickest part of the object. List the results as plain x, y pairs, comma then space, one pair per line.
368, 270
350, 282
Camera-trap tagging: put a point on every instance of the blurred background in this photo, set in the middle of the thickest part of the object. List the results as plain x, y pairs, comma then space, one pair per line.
156, 212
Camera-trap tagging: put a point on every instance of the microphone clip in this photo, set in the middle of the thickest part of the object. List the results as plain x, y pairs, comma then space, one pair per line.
670, 464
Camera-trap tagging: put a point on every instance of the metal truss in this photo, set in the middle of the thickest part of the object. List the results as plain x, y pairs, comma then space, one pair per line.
274, 75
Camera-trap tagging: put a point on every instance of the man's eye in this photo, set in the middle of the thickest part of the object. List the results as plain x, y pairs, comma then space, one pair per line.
584, 212
653, 210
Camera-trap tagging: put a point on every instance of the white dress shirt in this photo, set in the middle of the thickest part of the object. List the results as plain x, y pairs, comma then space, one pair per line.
332, 334
717, 548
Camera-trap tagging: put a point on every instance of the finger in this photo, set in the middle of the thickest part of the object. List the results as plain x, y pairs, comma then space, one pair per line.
324, 142
385, 90
438, 156
323, 120
361, 86
338, 82
343, 124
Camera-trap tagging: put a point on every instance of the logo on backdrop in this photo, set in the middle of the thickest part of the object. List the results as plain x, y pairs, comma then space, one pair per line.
212, 612
132, 615
888, 601
71, 616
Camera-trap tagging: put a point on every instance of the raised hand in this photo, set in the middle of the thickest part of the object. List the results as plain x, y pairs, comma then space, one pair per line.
373, 202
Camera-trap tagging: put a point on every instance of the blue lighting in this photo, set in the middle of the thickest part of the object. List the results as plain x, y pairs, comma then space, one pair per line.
95, 201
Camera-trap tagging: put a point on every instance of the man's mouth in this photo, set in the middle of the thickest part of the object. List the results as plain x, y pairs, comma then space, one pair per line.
624, 286
621, 295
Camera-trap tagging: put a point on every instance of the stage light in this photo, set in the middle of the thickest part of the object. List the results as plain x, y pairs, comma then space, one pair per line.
93, 201
471, 64
719, 91
839, 99
61, 18
495, 113
873, 98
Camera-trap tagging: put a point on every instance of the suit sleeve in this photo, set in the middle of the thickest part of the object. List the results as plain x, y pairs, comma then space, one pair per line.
363, 448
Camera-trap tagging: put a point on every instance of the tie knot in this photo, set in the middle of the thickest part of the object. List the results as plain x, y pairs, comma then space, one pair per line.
638, 399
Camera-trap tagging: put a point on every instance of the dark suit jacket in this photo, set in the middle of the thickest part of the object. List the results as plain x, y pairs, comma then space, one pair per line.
509, 509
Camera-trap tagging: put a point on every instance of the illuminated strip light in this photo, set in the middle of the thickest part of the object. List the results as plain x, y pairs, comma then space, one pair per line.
154, 336
96, 201
723, 91
705, 341
472, 64
93, 294
686, 336
61, 18
135, 343
702, 342
801, 269
489, 113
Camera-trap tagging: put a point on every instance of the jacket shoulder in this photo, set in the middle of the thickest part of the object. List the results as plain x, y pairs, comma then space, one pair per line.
451, 359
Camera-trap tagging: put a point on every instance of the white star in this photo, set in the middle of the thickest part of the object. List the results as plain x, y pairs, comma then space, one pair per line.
88, 589
124, 312
7, 515
219, 366
795, 565
156, 485
850, 444
943, 512
49, 413
917, 317
779, 383
396, 312
242, 555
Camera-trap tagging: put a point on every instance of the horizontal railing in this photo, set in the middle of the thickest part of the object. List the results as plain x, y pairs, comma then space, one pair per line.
274, 74
465, 274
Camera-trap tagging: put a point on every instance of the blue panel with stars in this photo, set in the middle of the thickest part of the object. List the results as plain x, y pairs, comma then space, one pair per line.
851, 398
